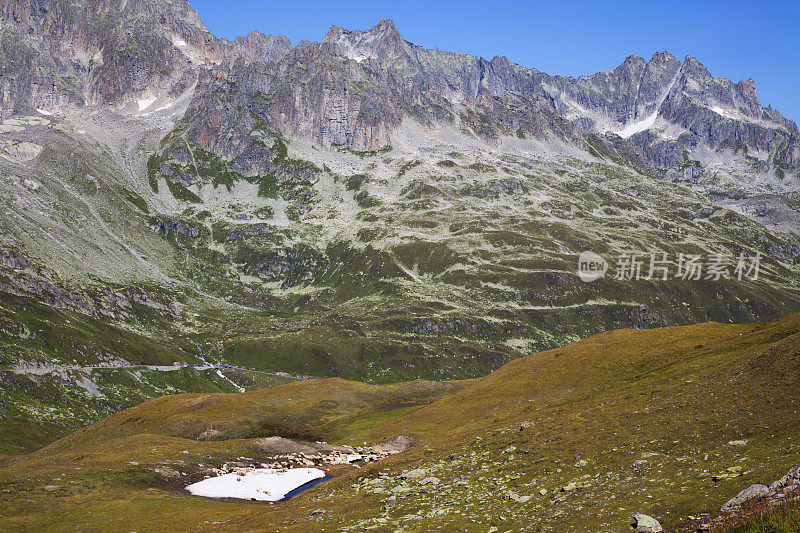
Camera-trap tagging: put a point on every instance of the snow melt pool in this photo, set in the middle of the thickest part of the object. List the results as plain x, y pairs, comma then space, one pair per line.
260, 484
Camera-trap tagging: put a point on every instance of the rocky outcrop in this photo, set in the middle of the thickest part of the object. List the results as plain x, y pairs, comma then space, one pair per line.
259, 48
102, 52
790, 481
756, 499
750, 493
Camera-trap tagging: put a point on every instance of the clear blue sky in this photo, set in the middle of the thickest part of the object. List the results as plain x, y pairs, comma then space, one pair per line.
734, 39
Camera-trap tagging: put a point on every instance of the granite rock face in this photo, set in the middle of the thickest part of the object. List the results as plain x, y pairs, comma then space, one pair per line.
99, 52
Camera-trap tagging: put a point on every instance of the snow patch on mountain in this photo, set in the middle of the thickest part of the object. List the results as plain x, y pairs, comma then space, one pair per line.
638, 127
145, 103
178, 41
260, 484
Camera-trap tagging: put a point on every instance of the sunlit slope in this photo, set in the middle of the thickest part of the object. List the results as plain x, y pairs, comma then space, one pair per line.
307, 410
668, 422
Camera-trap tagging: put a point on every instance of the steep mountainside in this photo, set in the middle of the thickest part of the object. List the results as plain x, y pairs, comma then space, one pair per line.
359, 207
89, 52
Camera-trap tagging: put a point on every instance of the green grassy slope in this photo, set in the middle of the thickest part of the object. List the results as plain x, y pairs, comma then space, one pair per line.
59, 370
623, 422
442, 260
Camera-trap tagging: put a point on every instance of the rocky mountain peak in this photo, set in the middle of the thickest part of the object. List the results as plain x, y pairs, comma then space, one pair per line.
747, 88
664, 62
693, 67
256, 47
383, 41
663, 57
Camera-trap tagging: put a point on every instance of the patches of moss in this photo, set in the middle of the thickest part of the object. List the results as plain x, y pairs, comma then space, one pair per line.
689, 163
481, 167
367, 153
267, 185
354, 182
407, 166
180, 192
366, 201
153, 165
135, 199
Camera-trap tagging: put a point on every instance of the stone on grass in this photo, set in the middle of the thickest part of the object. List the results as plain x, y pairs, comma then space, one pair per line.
750, 493
418, 473
646, 524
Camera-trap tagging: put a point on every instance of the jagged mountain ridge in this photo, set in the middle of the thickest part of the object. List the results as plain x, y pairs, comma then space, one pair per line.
398, 80
99, 52
692, 108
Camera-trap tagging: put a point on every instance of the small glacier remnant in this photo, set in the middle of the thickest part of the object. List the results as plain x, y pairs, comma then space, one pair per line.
145, 103
638, 127
261, 484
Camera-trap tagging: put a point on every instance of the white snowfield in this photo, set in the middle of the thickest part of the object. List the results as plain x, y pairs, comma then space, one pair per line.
178, 41
261, 484
145, 103
647, 123
638, 127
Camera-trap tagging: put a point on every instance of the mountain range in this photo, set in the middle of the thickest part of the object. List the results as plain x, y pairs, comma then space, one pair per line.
185, 213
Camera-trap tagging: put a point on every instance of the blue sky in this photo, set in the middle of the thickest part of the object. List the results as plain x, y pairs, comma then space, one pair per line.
733, 39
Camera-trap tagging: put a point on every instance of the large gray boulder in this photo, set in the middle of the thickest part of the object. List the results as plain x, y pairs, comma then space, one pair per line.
750, 493
646, 524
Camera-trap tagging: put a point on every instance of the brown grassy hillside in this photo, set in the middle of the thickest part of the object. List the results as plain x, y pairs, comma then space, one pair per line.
667, 422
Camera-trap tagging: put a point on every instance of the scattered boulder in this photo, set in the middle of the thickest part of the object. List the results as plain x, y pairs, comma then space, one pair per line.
737, 443
646, 524
403, 487
513, 496
396, 445
791, 478
750, 493
167, 473
414, 474
30, 184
